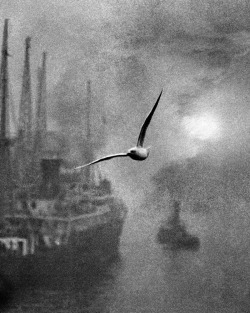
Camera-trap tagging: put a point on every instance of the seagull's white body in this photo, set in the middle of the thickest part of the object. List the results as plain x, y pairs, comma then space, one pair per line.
138, 153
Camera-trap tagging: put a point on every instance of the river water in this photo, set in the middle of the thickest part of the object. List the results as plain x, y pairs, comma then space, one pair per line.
148, 278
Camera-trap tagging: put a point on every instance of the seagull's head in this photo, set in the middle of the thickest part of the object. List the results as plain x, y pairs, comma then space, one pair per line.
133, 151
138, 153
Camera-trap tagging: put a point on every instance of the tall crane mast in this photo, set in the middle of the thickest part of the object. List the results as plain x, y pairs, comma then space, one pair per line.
41, 111
5, 161
88, 151
25, 119
4, 81
25, 110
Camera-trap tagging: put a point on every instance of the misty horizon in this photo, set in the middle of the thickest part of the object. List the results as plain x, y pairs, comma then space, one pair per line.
196, 52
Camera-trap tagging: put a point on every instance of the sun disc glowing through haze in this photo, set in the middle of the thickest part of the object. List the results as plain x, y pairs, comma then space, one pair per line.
202, 127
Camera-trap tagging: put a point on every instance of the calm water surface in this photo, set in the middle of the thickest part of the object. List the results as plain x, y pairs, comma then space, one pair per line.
146, 278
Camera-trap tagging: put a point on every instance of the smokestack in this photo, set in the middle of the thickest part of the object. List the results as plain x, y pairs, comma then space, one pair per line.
50, 186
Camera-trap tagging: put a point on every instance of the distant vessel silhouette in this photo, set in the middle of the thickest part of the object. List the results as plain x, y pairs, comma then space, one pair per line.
173, 232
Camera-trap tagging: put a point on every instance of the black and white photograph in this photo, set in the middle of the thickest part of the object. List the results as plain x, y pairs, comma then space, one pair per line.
125, 156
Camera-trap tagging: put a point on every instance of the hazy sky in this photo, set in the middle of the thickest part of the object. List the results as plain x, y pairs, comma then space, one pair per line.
196, 50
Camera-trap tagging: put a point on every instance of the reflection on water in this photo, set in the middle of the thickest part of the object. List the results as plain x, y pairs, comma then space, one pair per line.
148, 278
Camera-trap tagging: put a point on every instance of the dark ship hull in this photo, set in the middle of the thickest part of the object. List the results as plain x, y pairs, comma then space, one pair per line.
46, 239
177, 239
94, 248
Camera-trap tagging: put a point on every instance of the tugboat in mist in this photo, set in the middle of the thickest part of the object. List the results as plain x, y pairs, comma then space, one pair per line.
173, 233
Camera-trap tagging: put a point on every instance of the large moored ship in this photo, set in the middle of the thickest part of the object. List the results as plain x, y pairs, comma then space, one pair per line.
61, 221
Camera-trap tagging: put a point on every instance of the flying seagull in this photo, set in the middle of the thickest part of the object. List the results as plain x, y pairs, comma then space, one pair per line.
138, 153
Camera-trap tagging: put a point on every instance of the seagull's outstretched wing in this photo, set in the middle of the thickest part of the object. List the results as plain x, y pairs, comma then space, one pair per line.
146, 123
108, 157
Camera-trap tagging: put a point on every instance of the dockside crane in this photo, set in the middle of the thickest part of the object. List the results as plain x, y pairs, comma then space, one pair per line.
24, 137
6, 183
41, 113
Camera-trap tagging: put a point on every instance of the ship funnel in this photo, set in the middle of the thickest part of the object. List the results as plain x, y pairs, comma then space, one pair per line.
50, 186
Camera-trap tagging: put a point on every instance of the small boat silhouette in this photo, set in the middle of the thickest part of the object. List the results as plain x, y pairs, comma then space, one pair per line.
173, 234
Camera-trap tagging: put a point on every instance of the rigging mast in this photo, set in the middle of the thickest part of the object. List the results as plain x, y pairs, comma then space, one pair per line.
89, 154
41, 113
92, 173
5, 161
25, 114
25, 119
